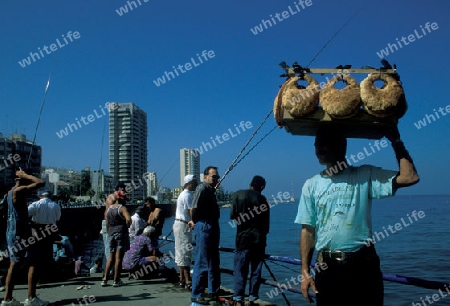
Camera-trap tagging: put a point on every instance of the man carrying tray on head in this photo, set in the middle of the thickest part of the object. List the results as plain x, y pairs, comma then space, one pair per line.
335, 214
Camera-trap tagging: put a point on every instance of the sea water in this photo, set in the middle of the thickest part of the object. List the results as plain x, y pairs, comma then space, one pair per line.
420, 247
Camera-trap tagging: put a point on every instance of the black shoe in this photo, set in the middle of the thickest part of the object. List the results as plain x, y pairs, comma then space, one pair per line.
200, 300
211, 297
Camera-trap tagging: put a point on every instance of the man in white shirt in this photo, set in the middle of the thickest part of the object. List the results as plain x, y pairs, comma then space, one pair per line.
44, 211
137, 224
44, 214
182, 230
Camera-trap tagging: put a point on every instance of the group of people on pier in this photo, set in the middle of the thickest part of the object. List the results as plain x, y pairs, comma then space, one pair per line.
334, 213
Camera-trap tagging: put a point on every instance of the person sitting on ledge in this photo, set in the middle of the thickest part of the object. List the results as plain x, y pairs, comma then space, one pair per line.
97, 267
141, 255
155, 218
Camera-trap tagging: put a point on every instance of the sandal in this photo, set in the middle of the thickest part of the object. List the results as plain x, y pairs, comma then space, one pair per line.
188, 286
181, 284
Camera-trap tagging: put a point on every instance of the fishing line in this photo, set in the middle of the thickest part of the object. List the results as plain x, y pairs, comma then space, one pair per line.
168, 171
235, 161
101, 158
335, 34
267, 134
280, 265
273, 276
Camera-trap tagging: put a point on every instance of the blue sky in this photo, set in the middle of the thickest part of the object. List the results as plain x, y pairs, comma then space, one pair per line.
117, 58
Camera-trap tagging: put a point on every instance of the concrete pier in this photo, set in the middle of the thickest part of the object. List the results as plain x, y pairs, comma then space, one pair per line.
88, 291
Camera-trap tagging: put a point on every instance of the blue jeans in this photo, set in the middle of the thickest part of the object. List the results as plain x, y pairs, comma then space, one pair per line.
207, 259
242, 260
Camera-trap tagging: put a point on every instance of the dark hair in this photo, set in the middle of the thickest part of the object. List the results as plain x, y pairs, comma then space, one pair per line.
120, 185
138, 211
258, 182
334, 137
151, 200
206, 172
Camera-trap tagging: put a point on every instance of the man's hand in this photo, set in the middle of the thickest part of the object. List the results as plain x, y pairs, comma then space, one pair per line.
20, 173
191, 224
392, 134
152, 258
308, 281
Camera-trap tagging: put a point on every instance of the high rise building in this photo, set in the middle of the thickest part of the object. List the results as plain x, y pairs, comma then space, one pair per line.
102, 184
152, 184
16, 152
128, 147
189, 164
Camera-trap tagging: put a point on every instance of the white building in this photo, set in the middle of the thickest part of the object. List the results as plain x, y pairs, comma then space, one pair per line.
152, 184
189, 164
128, 147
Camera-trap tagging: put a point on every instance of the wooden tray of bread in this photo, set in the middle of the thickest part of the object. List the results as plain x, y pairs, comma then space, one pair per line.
360, 110
361, 125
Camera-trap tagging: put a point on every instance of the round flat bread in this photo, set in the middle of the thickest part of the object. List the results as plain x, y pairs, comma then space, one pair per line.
341, 103
301, 101
385, 101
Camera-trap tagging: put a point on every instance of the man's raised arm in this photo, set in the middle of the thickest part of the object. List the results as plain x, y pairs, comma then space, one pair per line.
407, 175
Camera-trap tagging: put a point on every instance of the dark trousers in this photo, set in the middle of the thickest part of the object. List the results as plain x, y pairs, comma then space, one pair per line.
353, 282
207, 259
243, 260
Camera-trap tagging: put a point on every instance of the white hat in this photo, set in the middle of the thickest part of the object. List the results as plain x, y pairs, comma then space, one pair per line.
189, 178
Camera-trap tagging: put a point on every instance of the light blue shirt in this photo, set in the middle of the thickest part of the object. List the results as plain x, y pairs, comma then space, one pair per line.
339, 206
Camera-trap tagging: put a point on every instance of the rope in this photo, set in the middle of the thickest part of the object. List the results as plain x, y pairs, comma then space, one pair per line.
273, 276
235, 161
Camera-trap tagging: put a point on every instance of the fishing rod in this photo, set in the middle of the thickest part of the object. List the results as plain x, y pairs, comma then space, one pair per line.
40, 112
236, 159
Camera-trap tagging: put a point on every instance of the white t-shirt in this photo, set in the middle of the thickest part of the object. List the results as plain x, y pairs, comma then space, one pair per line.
44, 211
184, 203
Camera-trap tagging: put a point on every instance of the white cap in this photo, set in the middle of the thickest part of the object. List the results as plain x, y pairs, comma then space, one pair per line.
189, 178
